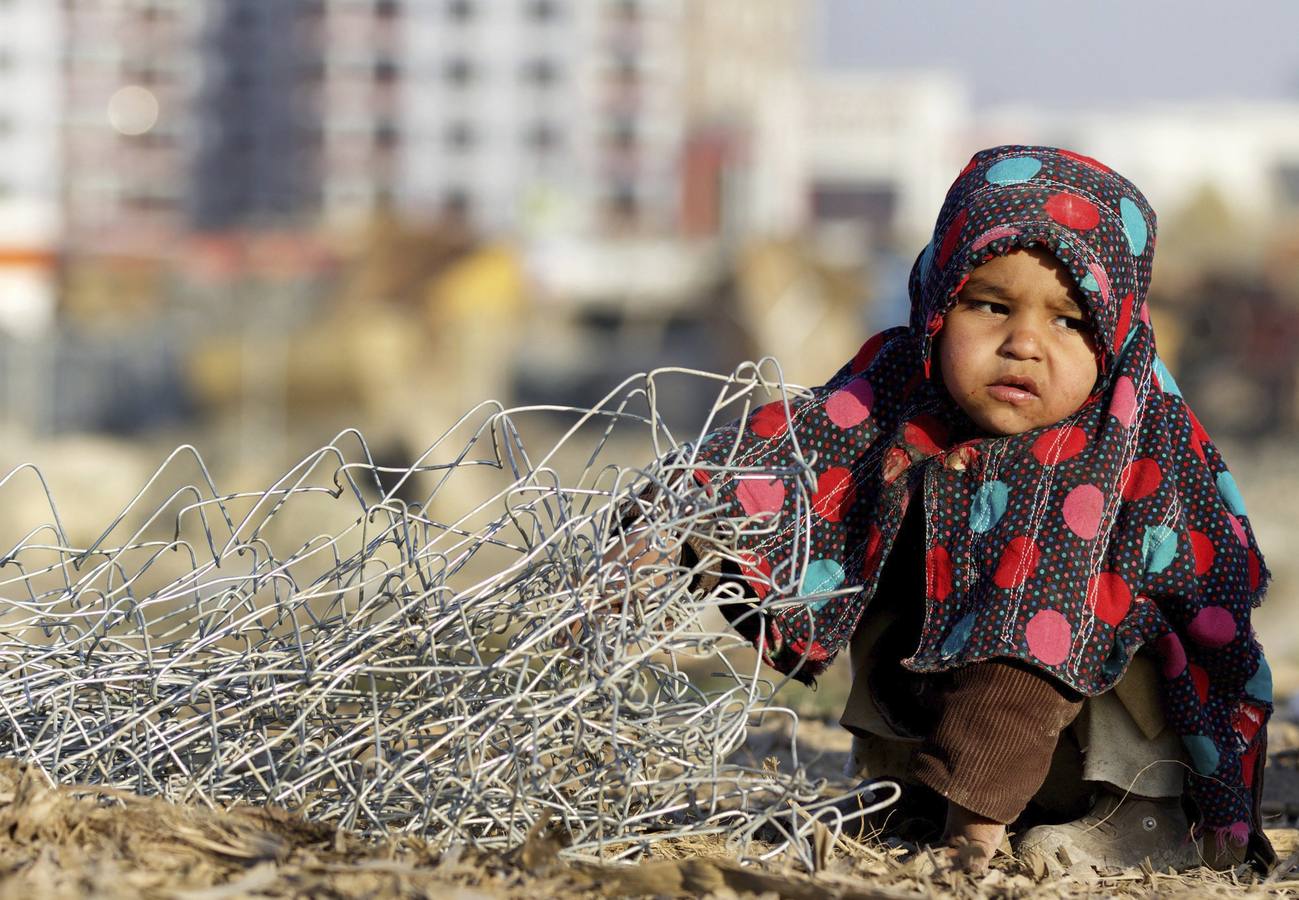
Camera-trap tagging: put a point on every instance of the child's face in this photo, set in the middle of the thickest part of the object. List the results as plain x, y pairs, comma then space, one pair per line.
1017, 352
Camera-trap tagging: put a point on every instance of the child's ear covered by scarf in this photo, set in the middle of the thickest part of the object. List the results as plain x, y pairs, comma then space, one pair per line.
1068, 546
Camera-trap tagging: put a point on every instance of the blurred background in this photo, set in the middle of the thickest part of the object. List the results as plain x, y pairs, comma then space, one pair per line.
247, 224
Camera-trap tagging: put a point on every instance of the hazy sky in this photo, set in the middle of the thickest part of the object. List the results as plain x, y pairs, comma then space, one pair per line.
1075, 53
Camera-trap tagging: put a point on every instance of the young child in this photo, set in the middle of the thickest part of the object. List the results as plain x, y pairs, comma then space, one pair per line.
1014, 484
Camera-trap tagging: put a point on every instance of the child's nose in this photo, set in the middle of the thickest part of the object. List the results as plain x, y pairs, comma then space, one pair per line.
1022, 341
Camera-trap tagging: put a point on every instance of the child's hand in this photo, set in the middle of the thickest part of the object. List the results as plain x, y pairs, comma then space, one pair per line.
634, 567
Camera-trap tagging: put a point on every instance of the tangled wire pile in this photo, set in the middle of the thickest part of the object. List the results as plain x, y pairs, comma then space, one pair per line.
437, 664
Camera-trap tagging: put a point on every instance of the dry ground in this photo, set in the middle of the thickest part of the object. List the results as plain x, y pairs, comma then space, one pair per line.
96, 842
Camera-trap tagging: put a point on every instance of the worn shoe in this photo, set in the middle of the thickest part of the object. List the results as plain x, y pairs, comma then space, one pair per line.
1118, 833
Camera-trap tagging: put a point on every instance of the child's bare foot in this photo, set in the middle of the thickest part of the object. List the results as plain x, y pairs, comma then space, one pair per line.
971, 839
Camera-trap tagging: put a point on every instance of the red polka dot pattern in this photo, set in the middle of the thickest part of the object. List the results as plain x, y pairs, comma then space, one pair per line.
1018, 563
1140, 479
1073, 211
1068, 547
1112, 597
835, 491
1059, 444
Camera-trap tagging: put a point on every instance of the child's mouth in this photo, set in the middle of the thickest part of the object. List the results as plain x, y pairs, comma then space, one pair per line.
1014, 390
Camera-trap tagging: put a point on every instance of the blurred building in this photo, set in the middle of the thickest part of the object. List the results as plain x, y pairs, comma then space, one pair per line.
258, 75
542, 115
30, 180
490, 123
1247, 153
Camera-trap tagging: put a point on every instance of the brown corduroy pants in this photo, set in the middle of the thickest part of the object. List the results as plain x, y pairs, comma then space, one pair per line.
991, 745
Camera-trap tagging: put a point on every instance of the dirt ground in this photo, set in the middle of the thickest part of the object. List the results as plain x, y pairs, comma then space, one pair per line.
75, 842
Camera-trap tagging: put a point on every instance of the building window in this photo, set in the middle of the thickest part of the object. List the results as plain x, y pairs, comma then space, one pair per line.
460, 137
386, 136
623, 202
387, 9
385, 71
543, 10
623, 136
312, 70
542, 137
459, 72
461, 10
244, 16
455, 202
541, 72
1286, 178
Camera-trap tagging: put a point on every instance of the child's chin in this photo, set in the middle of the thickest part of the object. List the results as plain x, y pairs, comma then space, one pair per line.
1003, 423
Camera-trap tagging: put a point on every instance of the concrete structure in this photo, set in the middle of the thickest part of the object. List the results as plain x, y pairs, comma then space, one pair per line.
252, 142
31, 178
1247, 153
881, 149
544, 115
128, 83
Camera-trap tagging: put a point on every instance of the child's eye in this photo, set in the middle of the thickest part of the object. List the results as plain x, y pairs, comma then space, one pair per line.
989, 306
1074, 324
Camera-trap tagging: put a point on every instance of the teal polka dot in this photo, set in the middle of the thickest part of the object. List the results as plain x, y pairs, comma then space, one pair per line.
1230, 493
1134, 226
1013, 171
1260, 685
1159, 547
1127, 341
822, 575
1204, 755
988, 506
926, 260
958, 636
1166, 378
1089, 283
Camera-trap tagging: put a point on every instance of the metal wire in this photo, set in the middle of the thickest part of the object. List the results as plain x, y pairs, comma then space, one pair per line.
459, 663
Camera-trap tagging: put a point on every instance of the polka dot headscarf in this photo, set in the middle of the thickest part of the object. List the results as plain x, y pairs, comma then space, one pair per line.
1068, 547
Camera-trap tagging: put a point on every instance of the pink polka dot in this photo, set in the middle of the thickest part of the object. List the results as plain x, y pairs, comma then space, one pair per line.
1123, 402
851, 405
760, 495
1241, 534
1173, 655
1102, 280
991, 235
1212, 626
1083, 508
1048, 636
